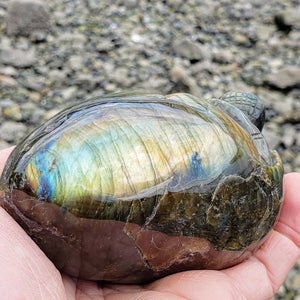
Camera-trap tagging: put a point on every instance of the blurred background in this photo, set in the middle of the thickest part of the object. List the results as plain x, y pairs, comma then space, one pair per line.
56, 53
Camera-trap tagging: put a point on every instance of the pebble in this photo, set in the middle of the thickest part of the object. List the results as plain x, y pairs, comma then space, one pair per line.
222, 56
7, 81
288, 135
76, 62
285, 78
8, 71
38, 36
283, 105
179, 75
272, 134
288, 18
33, 84
13, 112
27, 108
188, 49
18, 58
27, 16
11, 131
241, 39
4, 145
69, 93
86, 81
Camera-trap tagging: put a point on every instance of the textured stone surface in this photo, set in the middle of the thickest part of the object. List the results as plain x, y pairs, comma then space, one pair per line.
289, 18
18, 58
285, 78
208, 209
124, 65
26, 16
188, 49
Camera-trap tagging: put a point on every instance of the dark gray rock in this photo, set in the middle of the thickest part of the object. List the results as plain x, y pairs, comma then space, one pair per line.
26, 16
188, 49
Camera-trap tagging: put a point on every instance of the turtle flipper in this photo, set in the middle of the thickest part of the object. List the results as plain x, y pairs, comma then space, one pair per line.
249, 104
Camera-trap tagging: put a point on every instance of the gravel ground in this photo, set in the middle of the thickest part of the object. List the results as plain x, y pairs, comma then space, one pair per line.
85, 48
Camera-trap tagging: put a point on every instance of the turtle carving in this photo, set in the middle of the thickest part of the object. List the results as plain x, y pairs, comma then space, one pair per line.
132, 187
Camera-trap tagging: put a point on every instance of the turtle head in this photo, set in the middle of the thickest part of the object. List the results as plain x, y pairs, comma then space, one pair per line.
249, 104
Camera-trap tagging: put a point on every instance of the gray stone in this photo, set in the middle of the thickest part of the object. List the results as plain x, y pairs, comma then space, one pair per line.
11, 131
93, 4
295, 36
38, 36
7, 82
288, 135
85, 81
105, 46
76, 62
179, 75
34, 84
188, 49
298, 140
69, 93
285, 78
222, 56
27, 109
51, 113
26, 16
175, 4
297, 163
57, 76
272, 134
18, 58
13, 112
77, 40
6, 103
289, 17
283, 105
241, 39
264, 32
8, 71
130, 4
2, 15
4, 145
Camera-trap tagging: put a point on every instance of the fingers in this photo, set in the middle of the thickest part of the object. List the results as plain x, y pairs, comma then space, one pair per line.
289, 221
25, 272
203, 284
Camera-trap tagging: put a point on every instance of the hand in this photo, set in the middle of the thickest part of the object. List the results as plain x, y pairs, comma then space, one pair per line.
26, 273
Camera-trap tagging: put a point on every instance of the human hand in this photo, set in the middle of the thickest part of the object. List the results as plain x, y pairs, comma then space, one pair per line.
26, 273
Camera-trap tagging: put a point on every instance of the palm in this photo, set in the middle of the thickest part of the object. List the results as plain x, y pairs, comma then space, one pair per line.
26, 273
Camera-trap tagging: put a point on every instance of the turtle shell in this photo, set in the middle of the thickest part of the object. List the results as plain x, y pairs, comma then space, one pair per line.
129, 188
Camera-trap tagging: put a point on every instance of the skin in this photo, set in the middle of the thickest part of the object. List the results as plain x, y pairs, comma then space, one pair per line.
26, 273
